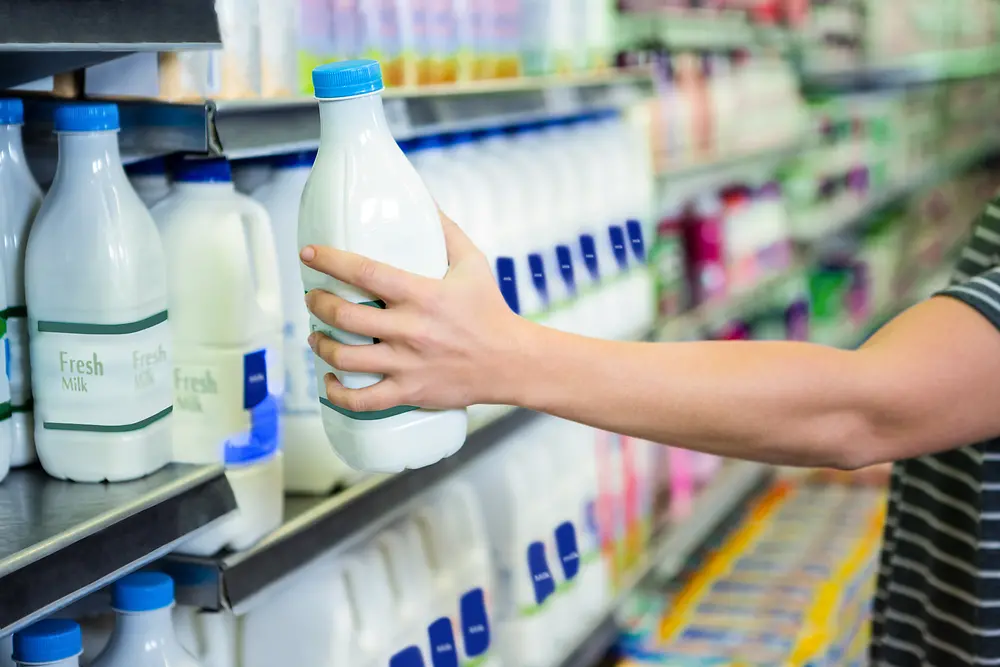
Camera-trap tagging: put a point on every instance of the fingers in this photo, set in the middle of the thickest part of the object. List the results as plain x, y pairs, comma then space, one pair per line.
388, 282
351, 358
459, 245
380, 396
353, 317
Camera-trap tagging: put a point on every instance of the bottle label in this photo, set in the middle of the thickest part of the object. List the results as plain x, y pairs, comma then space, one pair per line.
588, 247
475, 623
636, 241
5, 406
565, 259
569, 552
254, 378
105, 378
537, 267
618, 246
300, 372
507, 278
541, 576
444, 653
408, 657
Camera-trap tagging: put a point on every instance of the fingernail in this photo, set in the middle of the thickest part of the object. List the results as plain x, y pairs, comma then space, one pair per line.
308, 253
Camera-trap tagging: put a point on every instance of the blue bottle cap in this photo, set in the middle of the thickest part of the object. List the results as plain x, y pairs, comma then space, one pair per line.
48, 640
142, 591
347, 78
294, 160
86, 117
430, 143
203, 170
11, 111
462, 138
156, 166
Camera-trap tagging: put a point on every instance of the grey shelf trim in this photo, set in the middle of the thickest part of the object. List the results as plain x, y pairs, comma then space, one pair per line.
915, 70
314, 526
62, 540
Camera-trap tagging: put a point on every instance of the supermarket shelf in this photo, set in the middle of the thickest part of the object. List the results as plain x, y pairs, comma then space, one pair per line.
727, 493
698, 30
250, 128
922, 68
62, 540
33, 45
316, 525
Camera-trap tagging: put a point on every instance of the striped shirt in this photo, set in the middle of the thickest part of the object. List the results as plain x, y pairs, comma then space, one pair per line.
938, 596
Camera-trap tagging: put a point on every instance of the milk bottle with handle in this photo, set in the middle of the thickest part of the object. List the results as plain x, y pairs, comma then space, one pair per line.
311, 465
20, 198
96, 279
363, 196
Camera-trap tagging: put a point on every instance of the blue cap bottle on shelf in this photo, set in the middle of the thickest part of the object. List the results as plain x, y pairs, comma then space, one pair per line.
142, 591
102, 117
52, 641
347, 78
11, 111
203, 170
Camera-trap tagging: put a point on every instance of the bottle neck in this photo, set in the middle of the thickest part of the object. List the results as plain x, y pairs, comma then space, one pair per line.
355, 119
65, 662
11, 143
89, 155
204, 188
148, 630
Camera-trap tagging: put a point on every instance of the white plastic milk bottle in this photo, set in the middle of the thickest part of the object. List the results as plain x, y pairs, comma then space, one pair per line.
56, 642
365, 197
96, 279
20, 198
150, 179
144, 633
311, 465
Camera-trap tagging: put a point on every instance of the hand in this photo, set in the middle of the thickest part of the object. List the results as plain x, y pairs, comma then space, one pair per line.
443, 343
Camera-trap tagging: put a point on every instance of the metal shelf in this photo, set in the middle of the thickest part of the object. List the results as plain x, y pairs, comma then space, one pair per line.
726, 494
922, 68
62, 540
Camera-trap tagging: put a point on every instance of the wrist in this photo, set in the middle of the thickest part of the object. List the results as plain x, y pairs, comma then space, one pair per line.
514, 363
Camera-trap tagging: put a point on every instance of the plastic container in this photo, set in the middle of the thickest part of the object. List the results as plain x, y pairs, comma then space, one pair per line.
18, 205
144, 633
311, 465
150, 179
95, 276
51, 641
250, 174
355, 199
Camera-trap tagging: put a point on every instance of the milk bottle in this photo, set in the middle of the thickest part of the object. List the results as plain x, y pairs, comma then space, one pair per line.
149, 178
95, 277
20, 198
52, 641
311, 466
364, 196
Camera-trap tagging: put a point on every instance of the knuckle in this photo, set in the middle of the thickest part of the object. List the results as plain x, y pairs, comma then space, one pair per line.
339, 356
357, 403
367, 270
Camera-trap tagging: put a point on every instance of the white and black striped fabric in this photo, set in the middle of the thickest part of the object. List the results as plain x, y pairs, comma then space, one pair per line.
938, 599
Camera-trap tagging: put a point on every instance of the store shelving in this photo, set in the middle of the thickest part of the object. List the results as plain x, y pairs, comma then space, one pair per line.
726, 167
33, 45
917, 69
62, 540
725, 495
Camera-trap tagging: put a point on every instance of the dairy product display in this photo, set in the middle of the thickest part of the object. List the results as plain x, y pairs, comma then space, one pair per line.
96, 279
50, 641
355, 155
21, 199
150, 179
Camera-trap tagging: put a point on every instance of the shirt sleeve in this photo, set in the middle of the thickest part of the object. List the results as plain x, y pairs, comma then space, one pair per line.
981, 293
982, 252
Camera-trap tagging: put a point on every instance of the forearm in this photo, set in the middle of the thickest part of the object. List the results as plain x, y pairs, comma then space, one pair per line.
785, 403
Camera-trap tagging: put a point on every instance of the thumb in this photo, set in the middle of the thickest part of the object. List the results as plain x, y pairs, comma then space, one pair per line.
458, 244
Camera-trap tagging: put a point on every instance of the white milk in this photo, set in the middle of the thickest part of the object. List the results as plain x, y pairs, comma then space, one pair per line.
376, 629
311, 465
144, 633
20, 198
365, 197
150, 180
55, 642
95, 276
223, 299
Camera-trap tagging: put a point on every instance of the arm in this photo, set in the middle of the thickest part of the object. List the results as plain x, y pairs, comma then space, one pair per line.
925, 383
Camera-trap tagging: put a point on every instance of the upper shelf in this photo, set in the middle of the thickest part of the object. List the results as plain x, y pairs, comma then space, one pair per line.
62, 540
34, 44
921, 68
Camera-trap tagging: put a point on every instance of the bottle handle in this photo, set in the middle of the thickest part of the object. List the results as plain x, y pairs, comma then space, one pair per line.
263, 253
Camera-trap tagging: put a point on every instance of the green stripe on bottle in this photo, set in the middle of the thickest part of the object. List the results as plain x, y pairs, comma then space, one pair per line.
5, 411
102, 428
102, 329
369, 416
14, 311
27, 407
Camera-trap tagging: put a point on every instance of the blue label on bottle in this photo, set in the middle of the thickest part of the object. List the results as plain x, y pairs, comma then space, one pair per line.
590, 513
588, 246
254, 378
569, 551
636, 240
6, 351
541, 576
444, 653
565, 259
475, 623
538, 279
507, 277
408, 657
618, 246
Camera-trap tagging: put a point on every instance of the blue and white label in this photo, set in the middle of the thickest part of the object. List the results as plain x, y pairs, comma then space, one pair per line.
541, 575
507, 278
475, 623
537, 267
564, 257
618, 246
408, 657
569, 551
588, 247
636, 241
254, 378
444, 653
